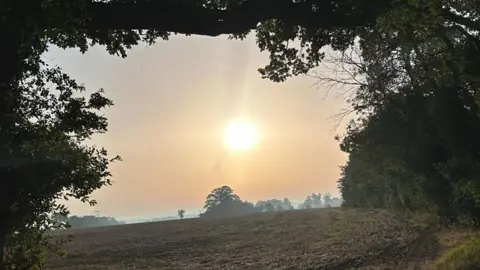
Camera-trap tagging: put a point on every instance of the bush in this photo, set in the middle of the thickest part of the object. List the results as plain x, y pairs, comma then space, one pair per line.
463, 257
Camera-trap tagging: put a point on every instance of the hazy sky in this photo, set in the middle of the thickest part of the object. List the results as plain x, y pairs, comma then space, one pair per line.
172, 103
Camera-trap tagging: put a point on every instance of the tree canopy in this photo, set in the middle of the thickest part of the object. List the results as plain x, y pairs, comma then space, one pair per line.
413, 143
220, 195
315, 24
43, 155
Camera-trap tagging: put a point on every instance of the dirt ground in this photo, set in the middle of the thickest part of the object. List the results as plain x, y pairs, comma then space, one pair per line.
305, 239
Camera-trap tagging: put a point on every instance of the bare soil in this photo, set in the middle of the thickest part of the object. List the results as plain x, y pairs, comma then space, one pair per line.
333, 238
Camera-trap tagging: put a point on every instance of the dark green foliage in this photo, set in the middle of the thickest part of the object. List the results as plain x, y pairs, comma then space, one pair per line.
418, 152
414, 144
44, 123
43, 157
27, 247
315, 24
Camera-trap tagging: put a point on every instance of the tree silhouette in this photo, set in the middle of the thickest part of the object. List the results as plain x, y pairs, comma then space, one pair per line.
316, 23
269, 207
316, 197
308, 203
181, 213
315, 200
260, 206
220, 195
327, 198
287, 204
44, 156
222, 202
223, 17
114, 23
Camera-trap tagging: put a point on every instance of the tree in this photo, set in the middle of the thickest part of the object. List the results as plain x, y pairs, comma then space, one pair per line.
308, 203
215, 17
44, 157
327, 198
260, 206
315, 23
433, 169
220, 195
61, 219
412, 145
287, 204
269, 207
313, 201
222, 202
230, 209
181, 212
316, 200
111, 23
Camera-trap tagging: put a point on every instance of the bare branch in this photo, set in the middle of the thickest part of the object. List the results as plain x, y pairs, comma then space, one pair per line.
338, 71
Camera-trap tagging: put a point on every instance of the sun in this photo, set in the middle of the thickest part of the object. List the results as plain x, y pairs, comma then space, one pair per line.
240, 135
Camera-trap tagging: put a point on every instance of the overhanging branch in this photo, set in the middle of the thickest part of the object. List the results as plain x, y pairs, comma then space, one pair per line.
182, 17
465, 21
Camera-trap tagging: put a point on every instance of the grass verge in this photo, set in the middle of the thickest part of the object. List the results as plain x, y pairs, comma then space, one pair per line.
463, 257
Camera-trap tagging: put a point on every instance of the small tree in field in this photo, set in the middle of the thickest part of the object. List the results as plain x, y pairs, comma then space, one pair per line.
181, 213
327, 199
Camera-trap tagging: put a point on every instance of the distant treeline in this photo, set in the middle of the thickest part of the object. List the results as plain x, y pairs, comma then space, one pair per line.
89, 221
223, 202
